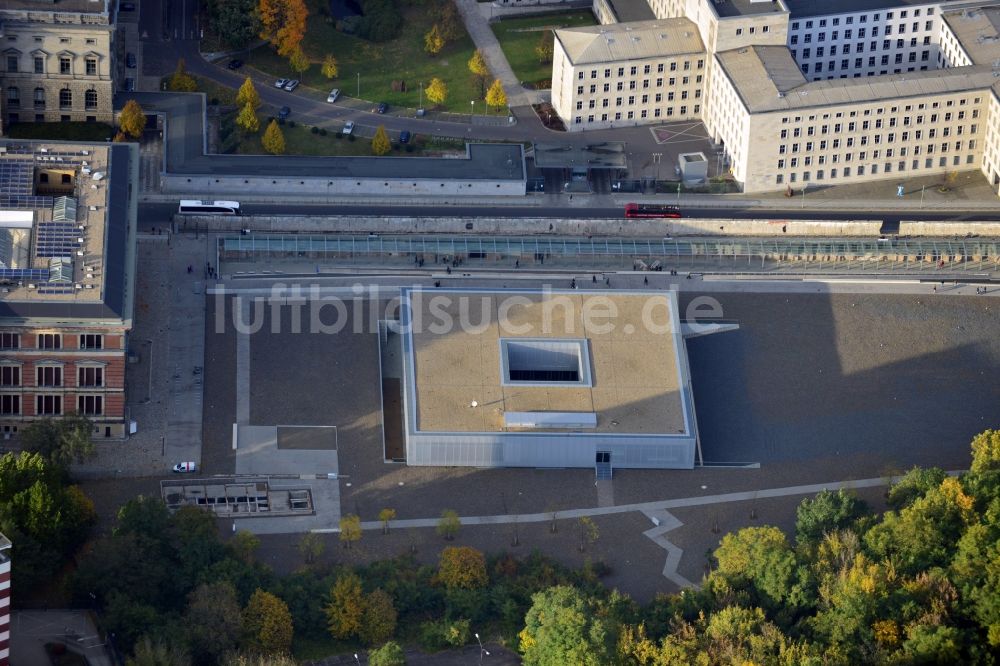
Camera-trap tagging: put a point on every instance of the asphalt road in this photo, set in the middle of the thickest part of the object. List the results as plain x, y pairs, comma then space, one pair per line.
160, 213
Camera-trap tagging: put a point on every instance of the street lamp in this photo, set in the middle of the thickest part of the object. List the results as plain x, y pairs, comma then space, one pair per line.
473, 103
482, 651
359, 85
358, 661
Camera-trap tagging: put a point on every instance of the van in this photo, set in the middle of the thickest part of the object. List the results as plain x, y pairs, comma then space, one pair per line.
334, 94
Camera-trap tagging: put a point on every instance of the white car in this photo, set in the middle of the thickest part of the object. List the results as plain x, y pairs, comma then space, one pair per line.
334, 94
348, 127
291, 84
185, 467
280, 83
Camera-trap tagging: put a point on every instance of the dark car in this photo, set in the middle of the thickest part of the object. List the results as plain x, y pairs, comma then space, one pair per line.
127, 6
235, 64
130, 60
404, 136
283, 113
382, 107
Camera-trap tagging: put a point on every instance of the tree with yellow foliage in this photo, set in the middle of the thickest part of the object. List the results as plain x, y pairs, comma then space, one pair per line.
495, 96
462, 568
433, 40
380, 142
132, 119
268, 623
247, 119
247, 94
330, 67
274, 139
437, 91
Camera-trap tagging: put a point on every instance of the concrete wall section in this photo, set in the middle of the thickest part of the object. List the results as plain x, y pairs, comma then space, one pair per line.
233, 186
949, 229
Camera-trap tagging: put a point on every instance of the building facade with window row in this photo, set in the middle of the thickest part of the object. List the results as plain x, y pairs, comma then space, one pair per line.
797, 93
57, 61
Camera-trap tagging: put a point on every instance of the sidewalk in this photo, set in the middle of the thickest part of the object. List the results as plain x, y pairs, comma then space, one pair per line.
479, 29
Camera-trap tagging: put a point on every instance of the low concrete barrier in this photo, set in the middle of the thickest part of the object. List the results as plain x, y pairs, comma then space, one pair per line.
949, 228
527, 226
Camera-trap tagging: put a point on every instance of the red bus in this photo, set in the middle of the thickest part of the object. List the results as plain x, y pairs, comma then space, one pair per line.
651, 210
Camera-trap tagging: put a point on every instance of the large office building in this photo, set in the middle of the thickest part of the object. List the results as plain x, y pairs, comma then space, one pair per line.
67, 270
797, 93
58, 61
509, 378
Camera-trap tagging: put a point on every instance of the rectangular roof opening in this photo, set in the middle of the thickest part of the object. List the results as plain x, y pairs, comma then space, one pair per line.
545, 361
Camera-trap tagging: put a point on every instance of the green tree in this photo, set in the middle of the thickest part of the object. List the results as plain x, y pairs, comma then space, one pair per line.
589, 532
433, 40
495, 96
247, 119
256, 659
248, 94
563, 627
274, 139
244, 545
389, 654
378, 622
914, 485
268, 624
545, 48
298, 61
149, 652
986, 451
380, 142
63, 441
350, 530
213, 621
827, 511
385, 516
132, 119
449, 524
311, 547
346, 609
462, 568
437, 91
236, 21
759, 558
450, 21
331, 69
180, 80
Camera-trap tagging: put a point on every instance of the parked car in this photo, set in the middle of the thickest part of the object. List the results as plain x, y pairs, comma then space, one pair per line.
283, 113
185, 467
348, 127
382, 107
127, 6
130, 60
235, 64
291, 85
334, 94
280, 83
129, 85
404, 136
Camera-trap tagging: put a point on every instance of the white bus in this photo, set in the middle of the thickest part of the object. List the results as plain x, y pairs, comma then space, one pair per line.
193, 207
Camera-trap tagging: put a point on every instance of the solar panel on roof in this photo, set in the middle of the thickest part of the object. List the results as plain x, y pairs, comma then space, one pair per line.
24, 274
56, 239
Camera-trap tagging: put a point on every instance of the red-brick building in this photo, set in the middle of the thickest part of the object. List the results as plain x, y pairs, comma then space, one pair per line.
67, 268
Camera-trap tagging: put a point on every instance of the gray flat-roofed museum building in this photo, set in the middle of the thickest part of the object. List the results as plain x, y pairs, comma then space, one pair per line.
511, 378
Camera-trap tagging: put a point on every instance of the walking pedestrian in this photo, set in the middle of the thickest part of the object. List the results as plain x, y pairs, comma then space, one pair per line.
645, 280
935, 289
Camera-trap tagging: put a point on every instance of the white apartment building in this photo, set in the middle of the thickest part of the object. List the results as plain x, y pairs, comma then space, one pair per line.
57, 61
797, 94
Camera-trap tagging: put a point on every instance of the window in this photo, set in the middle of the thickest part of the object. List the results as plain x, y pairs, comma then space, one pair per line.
12, 61
13, 97
91, 341
10, 341
10, 405
39, 65
48, 375
49, 341
10, 375
91, 66
544, 361
39, 98
65, 65
90, 99
48, 405
65, 98
90, 405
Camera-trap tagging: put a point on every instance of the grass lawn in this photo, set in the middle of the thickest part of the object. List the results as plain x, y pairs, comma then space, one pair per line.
379, 64
78, 131
299, 140
518, 38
